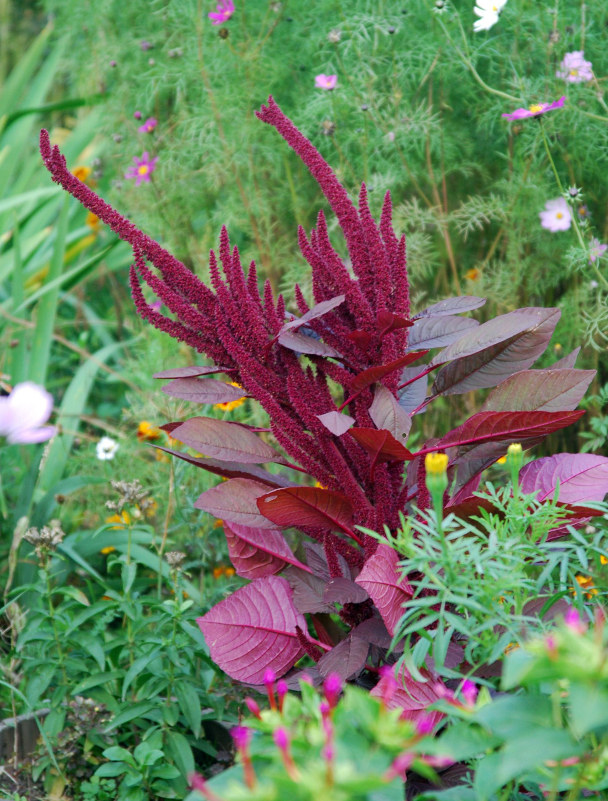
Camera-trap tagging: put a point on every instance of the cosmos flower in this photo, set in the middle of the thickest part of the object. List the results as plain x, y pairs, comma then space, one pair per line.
488, 12
223, 11
596, 249
574, 68
148, 126
144, 167
23, 412
106, 448
535, 110
323, 81
556, 215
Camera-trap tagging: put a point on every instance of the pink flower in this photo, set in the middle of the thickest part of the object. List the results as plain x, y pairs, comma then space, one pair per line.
469, 692
144, 167
535, 110
148, 126
596, 250
573, 621
137, 115
323, 81
574, 68
556, 216
223, 11
24, 411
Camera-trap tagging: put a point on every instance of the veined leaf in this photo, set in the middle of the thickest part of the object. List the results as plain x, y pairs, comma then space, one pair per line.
373, 374
191, 371
459, 305
258, 552
437, 332
412, 696
235, 501
386, 413
381, 445
540, 390
386, 587
336, 422
347, 658
207, 390
307, 506
229, 469
318, 310
581, 477
300, 343
224, 440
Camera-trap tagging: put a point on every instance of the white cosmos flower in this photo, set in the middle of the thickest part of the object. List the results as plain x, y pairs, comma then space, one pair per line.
488, 12
23, 412
106, 448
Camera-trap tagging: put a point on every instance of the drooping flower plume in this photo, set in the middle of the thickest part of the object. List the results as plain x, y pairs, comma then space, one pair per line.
556, 215
574, 68
143, 169
23, 412
535, 110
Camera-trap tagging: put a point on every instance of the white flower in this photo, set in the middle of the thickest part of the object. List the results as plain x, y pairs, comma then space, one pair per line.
24, 411
488, 11
556, 215
106, 448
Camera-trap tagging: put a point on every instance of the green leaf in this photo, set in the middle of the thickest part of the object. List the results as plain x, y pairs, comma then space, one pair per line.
116, 753
138, 667
39, 683
139, 710
111, 769
190, 705
128, 573
95, 680
588, 707
179, 751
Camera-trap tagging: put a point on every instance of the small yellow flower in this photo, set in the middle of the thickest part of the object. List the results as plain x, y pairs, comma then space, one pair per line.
123, 519
146, 431
230, 405
229, 571
318, 485
514, 449
217, 572
472, 275
603, 560
82, 173
557, 348
92, 220
502, 460
586, 584
109, 548
436, 463
218, 523
512, 646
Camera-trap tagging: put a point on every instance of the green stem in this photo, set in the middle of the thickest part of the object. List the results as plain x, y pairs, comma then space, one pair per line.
60, 654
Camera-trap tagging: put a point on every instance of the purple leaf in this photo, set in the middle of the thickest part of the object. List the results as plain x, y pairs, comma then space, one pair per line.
224, 440
386, 413
258, 552
346, 659
318, 310
459, 305
236, 502
437, 332
307, 506
540, 390
230, 469
254, 630
582, 477
300, 343
385, 585
207, 390
192, 371
565, 362
373, 631
317, 561
410, 695
344, 591
308, 591
336, 422
411, 396
495, 350
381, 445
373, 374
388, 322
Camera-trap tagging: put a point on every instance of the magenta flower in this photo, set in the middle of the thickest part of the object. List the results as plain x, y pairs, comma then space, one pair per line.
574, 68
596, 250
143, 168
556, 216
23, 412
148, 126
323, 81
573, 621
223, 11
535, 110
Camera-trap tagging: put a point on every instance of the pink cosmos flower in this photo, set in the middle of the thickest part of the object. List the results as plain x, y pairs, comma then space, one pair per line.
223, 11
143, 168
23, 412
148, 126
574, 68
323, 81
596, 250
535, 110
556, 216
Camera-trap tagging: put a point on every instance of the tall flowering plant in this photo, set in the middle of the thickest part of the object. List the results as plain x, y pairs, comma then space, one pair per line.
342, 385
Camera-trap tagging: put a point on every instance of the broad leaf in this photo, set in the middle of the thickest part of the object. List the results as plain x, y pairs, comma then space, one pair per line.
258, 552
381, 445
192, 371
254, 630
373, 374
206, 390
386, 587
459, 305
230, 469
386, 413
411, 396
373, 631
507, 426
318, 310
388, 322
224, 440
410, 695
565, 362
437, 332
336, 422
300, 343
540, 390
495, 350
307, 506
308, 591
316, 559
581, 477
347, 659
236, 502
344, 591
360, 338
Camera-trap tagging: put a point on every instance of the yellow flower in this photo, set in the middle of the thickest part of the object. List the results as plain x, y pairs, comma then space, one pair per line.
92, 220
585, 583
218, 523
514, 449
123, 519
318, 485
472, 275
603, 560
436, 463
502, 460
230, 405
222, 570
108, 549
146, 431
82, 173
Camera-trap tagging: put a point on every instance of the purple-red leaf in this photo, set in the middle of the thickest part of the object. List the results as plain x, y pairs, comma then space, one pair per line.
236, 502
404, 692
459, 305
300, 343
336, 422
565, 362
346, 659
344, 591
254, 630
540, 390
192, 371
387, 322
230, 469
307, 506
373, 374
437, 332
495, 350
381, 445
318, 310
582, 477
224, 440
386, 413
506, 426
206, 390
373, 631
412, 395
316, 559
360, 338
385, 585
308, 591
258, 552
